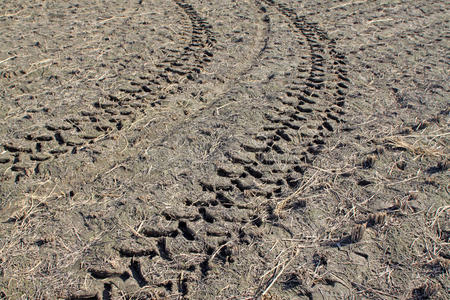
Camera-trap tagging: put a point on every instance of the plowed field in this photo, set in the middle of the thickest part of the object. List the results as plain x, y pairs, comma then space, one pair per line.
253, 149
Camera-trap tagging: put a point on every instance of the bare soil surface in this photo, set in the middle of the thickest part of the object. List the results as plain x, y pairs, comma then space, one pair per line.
254, 149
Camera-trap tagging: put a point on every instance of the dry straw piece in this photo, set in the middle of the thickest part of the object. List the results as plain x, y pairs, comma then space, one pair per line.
421, 150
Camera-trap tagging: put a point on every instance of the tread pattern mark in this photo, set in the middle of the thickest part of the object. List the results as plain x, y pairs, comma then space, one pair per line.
106, 117
271, 162
310, 112
269, 165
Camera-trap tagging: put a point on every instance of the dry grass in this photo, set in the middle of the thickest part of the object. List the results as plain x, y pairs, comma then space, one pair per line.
416, 147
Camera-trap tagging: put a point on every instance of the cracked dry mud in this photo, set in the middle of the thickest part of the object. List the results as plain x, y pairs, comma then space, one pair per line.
256, 149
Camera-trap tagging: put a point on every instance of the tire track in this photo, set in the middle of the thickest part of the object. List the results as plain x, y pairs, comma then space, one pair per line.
262, 167
167, 236
267, 166
107, 117
309, 112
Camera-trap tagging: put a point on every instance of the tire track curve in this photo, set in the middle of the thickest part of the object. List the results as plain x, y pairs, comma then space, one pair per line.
105, 118
261, 168
270, 163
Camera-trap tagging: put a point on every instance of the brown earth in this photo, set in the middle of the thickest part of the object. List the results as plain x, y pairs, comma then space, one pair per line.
253, 149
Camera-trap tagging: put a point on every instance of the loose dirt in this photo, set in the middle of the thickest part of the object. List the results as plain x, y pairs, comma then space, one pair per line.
254, 149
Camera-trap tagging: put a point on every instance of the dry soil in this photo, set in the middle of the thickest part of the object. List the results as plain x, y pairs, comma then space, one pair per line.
251, 149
